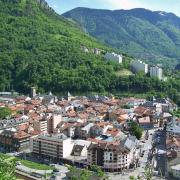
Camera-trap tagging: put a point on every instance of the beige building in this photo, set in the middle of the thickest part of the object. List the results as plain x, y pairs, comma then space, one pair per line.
40, 125
53, 122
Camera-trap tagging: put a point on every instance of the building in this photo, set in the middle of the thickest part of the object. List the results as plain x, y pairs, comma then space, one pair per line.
60, 147
173, 128
156, 72
53, 122
114, 57
85, 131
13, 140
139, 66
9, 123
145, 123
173, 143
53, 146
112, 156
40, 125
176, 171
117, 115
97, 51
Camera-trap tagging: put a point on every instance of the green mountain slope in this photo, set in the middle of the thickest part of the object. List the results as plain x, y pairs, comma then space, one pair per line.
154, 36
40, 48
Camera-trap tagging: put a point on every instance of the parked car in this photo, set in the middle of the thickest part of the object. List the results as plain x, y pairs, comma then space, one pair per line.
55, 170
52, 165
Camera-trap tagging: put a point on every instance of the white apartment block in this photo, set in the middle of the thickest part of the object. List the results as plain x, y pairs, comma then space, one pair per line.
139, 66
114, 57
156, 72
110, 157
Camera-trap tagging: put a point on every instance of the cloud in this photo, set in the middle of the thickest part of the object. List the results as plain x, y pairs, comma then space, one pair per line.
123, 4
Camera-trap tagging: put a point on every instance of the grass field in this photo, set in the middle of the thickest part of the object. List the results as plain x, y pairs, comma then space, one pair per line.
27, 163
36, 166
124, 72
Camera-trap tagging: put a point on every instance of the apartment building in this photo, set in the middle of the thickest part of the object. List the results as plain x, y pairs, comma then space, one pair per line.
139, 66
54, 146
13, 140
114, 156
156, 72
40, 125
53, 121
109, 157
114, 57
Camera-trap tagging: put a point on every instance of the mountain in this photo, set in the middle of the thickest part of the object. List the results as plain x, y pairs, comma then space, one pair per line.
41, 48
151, 35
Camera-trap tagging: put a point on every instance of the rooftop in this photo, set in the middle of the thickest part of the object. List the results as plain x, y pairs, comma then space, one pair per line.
176, 167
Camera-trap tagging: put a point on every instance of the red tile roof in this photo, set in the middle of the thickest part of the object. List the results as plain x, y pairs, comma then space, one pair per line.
113, 131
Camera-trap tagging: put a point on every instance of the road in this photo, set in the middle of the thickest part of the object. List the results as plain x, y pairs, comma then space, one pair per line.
61, 174
161, 152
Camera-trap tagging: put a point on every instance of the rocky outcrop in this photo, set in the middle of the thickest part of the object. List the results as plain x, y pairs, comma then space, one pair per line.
44, 5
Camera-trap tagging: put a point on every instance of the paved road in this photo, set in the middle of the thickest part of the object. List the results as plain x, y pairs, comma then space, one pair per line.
161, 153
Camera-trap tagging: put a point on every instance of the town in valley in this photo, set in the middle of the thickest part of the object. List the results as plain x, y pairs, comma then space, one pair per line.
89, 90
121, 138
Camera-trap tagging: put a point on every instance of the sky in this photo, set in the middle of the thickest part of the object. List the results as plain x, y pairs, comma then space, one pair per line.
61, 6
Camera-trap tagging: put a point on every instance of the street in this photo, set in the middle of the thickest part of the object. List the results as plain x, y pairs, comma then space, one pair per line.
160, 140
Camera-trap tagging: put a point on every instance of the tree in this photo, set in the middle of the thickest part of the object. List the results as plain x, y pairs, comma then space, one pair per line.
97, 170
4, 112
82, 174
85, 174
132, 178
135, 129
7, 169
148, 173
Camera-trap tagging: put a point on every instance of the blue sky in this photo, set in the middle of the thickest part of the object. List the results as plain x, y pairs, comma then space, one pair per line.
61, 6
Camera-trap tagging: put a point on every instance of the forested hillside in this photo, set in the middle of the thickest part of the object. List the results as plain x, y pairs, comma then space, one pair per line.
40, 48
151, 35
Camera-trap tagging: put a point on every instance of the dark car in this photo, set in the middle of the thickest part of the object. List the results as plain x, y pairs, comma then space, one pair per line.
55, 170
